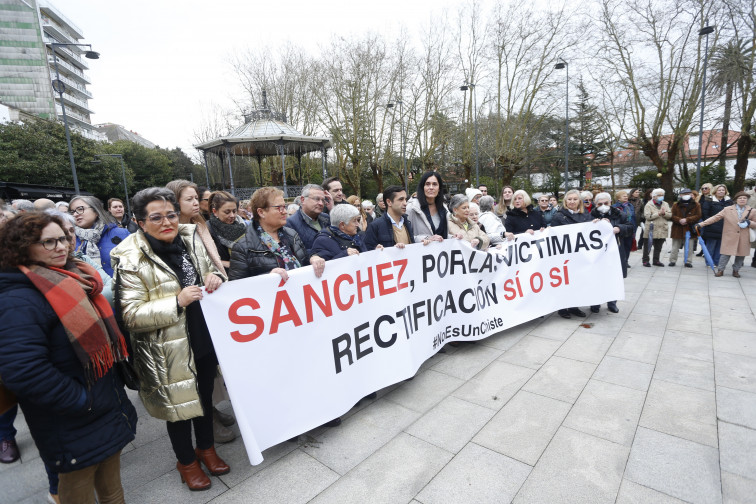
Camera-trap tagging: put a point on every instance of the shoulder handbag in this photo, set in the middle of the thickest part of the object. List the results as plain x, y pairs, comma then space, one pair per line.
751, 231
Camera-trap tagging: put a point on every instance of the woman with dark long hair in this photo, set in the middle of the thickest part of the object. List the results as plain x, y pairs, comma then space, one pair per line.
225, 228
427, 213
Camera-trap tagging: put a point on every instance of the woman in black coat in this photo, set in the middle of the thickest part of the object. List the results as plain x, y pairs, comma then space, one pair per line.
60, 345
522, 218
712, 234
603, 210
342, 238
571, 213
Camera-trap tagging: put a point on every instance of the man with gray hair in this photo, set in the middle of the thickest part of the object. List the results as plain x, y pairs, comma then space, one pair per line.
22, 205
309, 220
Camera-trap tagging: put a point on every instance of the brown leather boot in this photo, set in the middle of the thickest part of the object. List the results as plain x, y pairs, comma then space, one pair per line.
212, 461
735, 273
193, 475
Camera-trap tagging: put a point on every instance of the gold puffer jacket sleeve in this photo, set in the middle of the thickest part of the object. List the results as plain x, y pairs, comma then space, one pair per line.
146, 292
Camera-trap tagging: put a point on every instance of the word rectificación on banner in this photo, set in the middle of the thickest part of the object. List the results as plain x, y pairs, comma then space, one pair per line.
299, 354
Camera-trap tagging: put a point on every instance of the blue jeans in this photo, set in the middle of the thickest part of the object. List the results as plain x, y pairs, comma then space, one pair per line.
713, 245
7, 431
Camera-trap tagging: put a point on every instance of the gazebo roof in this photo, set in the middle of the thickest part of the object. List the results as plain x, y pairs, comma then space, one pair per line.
262, 134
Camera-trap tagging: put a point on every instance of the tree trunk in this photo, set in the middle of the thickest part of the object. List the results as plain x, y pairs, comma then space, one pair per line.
723, 143
745, 144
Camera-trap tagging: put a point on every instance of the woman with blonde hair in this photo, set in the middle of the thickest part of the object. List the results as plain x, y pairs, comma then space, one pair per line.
505, 203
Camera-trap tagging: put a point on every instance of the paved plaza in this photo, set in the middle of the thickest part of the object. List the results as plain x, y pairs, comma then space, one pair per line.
656, 404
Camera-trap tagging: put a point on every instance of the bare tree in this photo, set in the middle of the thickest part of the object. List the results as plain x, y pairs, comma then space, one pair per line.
653, 56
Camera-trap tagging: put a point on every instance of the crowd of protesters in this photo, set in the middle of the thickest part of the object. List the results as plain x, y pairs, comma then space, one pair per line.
95, 299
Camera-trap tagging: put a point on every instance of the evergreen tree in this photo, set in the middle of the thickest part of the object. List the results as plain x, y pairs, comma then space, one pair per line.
585, 135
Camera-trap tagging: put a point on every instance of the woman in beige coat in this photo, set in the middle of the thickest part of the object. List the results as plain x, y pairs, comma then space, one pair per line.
658, 214
159, 274
737, 218
462, 227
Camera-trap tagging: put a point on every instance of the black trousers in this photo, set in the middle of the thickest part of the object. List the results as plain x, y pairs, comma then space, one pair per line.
658, 243
180, 433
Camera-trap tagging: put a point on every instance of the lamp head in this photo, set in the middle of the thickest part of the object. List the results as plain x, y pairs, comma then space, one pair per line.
705, 30
92, 54
560, 66
464, 88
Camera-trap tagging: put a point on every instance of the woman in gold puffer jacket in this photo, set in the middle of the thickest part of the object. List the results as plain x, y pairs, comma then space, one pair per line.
159, 274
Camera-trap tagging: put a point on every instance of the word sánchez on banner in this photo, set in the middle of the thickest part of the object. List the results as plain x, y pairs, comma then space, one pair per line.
347, 289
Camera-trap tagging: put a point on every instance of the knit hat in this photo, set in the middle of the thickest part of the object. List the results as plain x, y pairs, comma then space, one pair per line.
471, 192
685, 191
738, 195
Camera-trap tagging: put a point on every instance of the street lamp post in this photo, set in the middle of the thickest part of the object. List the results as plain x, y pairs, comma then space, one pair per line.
60, 88
563, 64
401, 139
123, 171
465, 87
703, 31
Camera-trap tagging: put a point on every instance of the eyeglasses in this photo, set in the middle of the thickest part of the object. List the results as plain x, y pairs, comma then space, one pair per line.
280, 208
205, 199
78, 210
316, 199
52, 243
158, 218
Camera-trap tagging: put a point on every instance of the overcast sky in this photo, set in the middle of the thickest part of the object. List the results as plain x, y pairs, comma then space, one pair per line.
163, 63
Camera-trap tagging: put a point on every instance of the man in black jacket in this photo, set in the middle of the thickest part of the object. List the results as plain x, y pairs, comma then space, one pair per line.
391, 229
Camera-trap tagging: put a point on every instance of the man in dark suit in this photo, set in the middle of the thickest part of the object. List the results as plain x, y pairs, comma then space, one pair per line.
391, 229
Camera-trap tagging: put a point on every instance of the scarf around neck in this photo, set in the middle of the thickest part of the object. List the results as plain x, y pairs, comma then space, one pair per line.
90, 239
341, 234
75, 294
285, 257
227, 234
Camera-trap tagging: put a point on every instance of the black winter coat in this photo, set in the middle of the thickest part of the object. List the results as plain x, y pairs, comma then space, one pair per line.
519, 222
617, 218
330, 246
710, 208
72, 425
306, 233
251, 257
563, 217
381, 232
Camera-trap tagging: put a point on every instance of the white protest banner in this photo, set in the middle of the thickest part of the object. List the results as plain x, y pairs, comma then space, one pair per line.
297, 355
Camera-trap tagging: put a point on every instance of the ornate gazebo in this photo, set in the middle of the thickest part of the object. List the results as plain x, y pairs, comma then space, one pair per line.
264, 133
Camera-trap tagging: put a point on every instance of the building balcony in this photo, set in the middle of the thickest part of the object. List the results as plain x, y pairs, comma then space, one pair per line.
72, 115
54, 30
75, 87
69, 54
68, 69
49, 10
74, 102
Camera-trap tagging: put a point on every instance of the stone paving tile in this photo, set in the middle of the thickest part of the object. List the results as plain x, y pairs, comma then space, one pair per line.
168, 488
628, 373
235, 455
451, 424
395, 473
503, 340
675, 466
585, 347
494, 385
730, 321
296, 478
146, 463
652, 308
607, 411
23, 479
736, 407
426, 390
735, 342
476, 475
531, 352
468, 361
688, 344
561, 379
700, 307
735, 371
576, 467
690, 322
691, 372
737, 489
647, 325
637, 347
555, 328
344, 447
633, 493
681, 411
737, 450
524, 427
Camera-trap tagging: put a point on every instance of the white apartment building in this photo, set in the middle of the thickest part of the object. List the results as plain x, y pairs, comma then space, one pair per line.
27, 28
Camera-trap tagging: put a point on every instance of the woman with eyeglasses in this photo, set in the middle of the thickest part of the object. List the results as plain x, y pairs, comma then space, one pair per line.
159, 274
60, 343
97, 232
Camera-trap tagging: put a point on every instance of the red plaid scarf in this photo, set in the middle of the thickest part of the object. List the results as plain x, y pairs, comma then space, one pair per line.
75, 295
